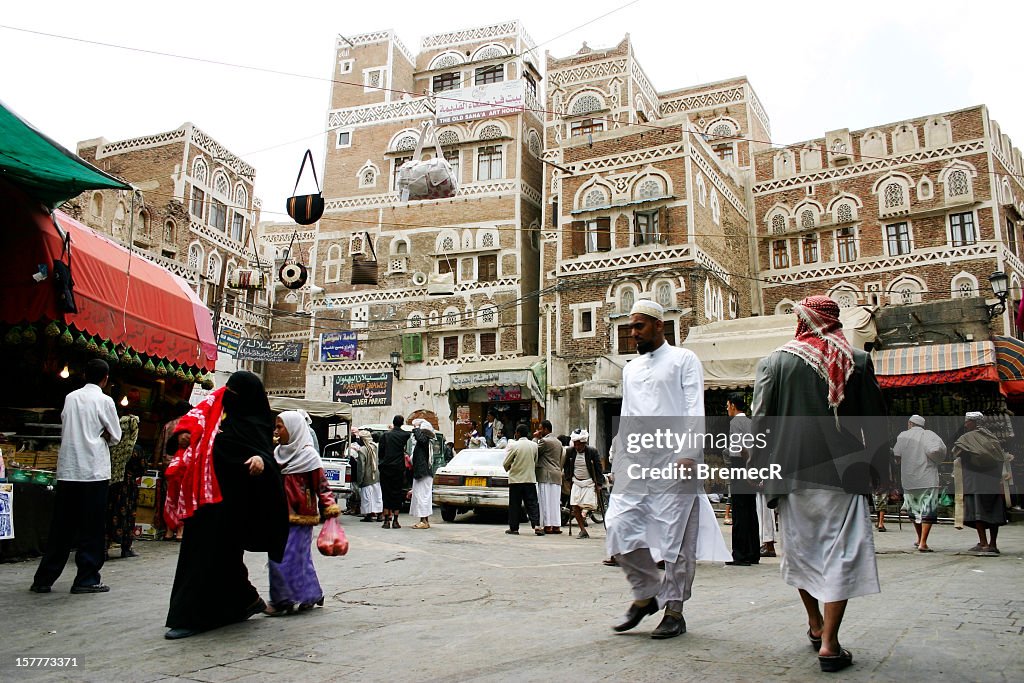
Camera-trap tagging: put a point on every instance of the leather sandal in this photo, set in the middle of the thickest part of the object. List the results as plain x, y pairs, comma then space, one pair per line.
833, 663
815, 642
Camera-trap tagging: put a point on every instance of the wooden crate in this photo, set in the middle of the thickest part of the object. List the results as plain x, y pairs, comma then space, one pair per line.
35, 460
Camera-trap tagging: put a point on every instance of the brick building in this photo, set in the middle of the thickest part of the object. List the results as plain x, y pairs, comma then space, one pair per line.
921, 209
646, 196
483, 242
192, 214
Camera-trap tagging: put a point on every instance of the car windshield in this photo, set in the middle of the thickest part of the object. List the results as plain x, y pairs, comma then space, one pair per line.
476, 457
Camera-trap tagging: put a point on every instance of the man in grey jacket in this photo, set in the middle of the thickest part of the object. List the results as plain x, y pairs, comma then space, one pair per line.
521, 463
549, 478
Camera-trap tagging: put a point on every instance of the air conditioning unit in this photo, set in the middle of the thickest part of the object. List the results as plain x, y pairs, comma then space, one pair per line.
247, 278
419, 278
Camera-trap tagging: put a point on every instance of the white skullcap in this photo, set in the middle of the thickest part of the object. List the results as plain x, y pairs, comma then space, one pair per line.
649, 308
916, 420
975, 416
580, 434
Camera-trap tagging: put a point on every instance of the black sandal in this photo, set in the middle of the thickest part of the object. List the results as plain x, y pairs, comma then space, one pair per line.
815, 642
832, 663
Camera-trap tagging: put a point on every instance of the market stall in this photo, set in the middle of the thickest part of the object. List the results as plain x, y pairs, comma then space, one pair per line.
68, 294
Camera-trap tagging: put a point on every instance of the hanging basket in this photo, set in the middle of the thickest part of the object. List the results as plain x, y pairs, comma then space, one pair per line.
66, 339
149, 366
161, 369
81, 341
28, 335
136, 361
306, 209
92, 346
13, 336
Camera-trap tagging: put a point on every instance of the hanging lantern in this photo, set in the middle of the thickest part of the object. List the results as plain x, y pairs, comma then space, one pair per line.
92, 346
136, 361
13, 335
28, 335
161, 369
81, 341
66, 339
52, 330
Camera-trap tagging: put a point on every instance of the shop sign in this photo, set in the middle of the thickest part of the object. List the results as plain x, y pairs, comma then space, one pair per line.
364, 389
268, 351
483, 379
481, 102
6, 512
227, 340
504, 393
462, 414
335, 346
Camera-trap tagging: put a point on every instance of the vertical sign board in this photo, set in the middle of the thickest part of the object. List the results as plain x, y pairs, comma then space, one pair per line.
335, 346
364, 389
227, 341
6, 512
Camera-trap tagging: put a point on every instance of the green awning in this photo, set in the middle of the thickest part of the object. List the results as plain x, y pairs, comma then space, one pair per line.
43, 168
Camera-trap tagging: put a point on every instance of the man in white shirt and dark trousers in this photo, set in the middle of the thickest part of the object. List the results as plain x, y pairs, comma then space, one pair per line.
89, 427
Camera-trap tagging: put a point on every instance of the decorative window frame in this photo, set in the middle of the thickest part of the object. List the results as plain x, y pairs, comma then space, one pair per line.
345, 66
439, 247
383, 70
660, 284
816, 236
716, 207
198, 254
599, 97
844, 293
932, 137
771, 254
835, 244
503, 173
784, 164
435, 63
481, 236
816, 210
595, 183
338, 144
961, 278
487, 311
902, 131
925, 189
871, 137
972, 174
879, 190
96, 204
855, 206
497, 342
702, 189
620, 292
199, 162
361, 173
897, 299
784, 307
649, 174
359, 317
577, 318
405, 132
333, 263
489, 46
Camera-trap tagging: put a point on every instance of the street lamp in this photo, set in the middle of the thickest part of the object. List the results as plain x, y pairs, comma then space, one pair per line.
1000, 283
396, 358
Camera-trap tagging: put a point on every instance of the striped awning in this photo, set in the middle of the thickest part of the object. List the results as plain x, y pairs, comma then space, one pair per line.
1009, 359
936, 364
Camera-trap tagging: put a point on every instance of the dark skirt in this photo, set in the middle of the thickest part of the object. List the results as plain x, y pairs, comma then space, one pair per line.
987, 508
211, 584
121, 501
392, 484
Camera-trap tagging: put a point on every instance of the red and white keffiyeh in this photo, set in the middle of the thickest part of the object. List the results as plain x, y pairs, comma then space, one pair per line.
191, 481
821, 344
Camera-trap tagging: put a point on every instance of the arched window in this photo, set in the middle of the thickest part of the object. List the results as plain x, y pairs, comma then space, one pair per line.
594, 197
893, 196
702, 190
905, 291
627, 299
221, 185
649, 188
96, 205
451, 317
199, 171
415, 320
487, 315
490, 132
241, 199
195, 257
533, 143
487, 241
332, 265
964, 286
584, 104
958, 183
213, 267
447, 137
405, 143
119, 215
806, 218
722, 130
778, 224
844, 213
169, 230
716, 210
144, 223
664, 295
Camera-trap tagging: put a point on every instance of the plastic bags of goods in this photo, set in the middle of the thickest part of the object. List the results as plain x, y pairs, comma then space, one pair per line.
427, 178
332, 541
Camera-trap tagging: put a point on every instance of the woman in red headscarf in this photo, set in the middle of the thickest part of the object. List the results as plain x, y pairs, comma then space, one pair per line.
227, 489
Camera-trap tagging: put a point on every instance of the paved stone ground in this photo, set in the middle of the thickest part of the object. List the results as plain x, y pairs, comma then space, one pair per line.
464, 601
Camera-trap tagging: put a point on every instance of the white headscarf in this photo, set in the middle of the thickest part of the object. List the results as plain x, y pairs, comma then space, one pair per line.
298, 455
423, 424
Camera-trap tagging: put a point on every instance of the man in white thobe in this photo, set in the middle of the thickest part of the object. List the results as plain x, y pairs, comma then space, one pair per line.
667, 518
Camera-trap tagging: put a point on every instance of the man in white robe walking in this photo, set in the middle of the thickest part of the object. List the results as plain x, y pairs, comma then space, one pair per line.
673, 519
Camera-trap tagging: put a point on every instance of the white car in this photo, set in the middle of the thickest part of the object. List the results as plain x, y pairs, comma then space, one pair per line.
474, 478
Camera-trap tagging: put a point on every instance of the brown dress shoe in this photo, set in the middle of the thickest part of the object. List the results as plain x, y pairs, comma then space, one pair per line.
635, 614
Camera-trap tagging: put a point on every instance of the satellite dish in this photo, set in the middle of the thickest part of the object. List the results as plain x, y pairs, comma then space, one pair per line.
293, 275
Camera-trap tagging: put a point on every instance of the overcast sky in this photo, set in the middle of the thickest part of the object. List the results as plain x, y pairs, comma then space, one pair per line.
816, 66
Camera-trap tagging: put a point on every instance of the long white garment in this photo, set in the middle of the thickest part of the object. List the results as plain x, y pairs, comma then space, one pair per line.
549, 497
371, 500
422, 497
667, 382
84, 453
920, 451
827, 546
765, 519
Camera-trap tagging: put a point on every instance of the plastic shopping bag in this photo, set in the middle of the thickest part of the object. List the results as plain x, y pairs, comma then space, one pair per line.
332, 541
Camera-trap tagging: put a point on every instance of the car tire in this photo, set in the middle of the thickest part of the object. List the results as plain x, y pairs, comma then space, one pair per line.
448, 513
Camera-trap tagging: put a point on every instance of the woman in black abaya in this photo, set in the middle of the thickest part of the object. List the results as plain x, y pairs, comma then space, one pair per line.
211, 584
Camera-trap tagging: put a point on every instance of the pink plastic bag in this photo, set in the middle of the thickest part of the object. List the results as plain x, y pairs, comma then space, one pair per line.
332, 541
